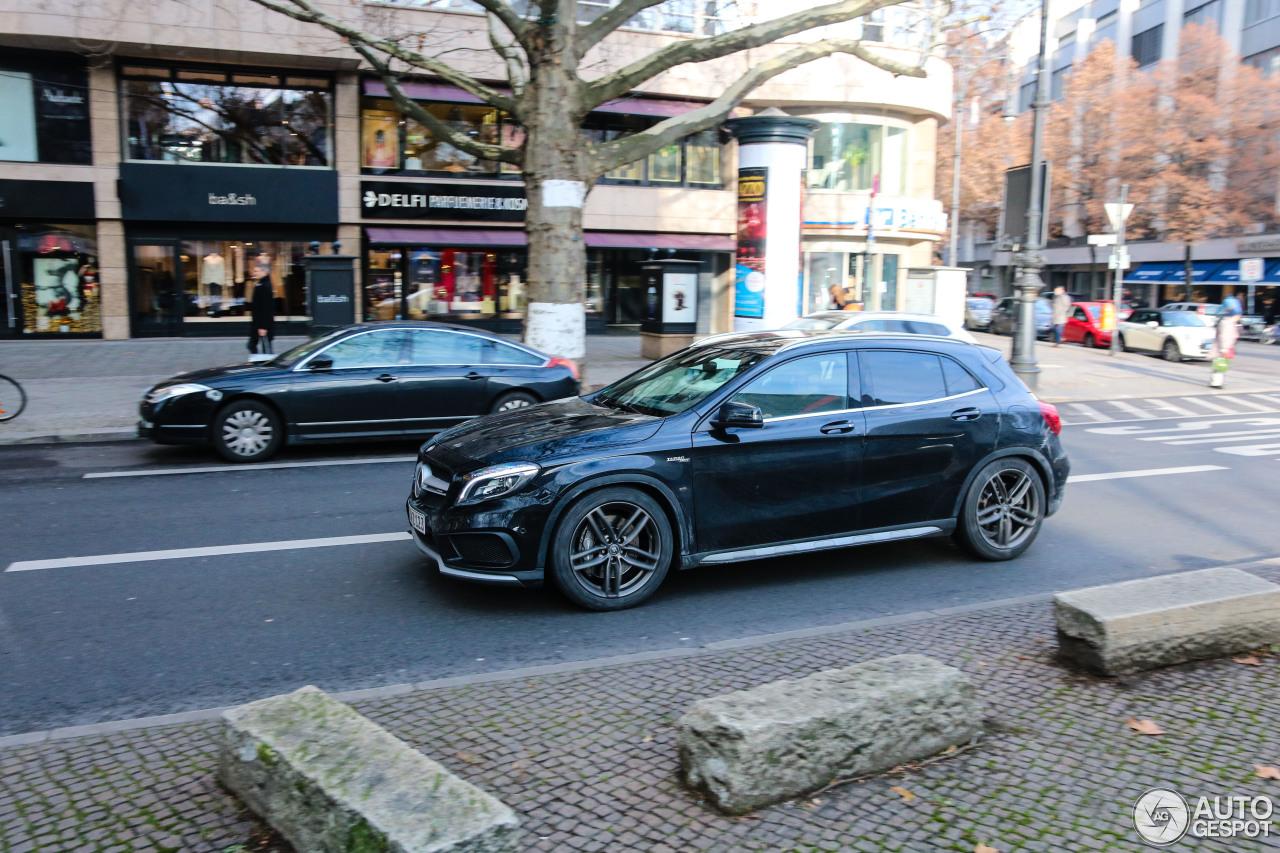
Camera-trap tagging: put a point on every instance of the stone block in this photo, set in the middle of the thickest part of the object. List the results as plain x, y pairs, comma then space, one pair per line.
1142, 624
788, 738
332, 781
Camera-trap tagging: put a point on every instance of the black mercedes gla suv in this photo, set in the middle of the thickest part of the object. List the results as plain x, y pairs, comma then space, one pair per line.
740, 448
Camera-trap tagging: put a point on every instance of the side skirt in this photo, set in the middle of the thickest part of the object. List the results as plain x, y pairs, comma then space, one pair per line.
932, 528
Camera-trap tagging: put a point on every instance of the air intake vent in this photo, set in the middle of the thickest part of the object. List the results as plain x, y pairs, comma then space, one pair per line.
483, 549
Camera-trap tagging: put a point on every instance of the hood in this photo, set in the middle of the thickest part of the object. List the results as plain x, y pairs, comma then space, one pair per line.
540, 433
208, 374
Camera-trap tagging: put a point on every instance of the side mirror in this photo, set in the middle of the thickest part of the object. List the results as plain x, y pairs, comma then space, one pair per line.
741, 415
320, 363
1152, 324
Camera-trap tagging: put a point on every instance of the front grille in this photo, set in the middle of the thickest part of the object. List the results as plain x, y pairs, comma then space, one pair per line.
484, 549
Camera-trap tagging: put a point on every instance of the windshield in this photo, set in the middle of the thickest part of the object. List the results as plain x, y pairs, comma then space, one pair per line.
291, 357
1180, 318
813, 323
979, 304
679, 381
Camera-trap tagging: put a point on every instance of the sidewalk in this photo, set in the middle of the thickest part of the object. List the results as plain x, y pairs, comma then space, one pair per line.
89, 390
586, 755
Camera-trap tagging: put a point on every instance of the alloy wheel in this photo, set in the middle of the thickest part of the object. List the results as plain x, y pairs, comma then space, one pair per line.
247, 432
1008, 509
615, 549
513, 404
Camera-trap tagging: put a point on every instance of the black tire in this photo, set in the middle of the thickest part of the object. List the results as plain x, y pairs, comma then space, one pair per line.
513, 400
247, 431
1169, 351
624, 569
1003, 510
12, 399
1090, 342
1123, 346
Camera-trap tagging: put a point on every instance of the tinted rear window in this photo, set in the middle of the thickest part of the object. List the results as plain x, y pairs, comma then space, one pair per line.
904, 377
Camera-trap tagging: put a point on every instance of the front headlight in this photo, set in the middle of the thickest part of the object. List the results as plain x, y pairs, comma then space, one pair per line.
496, 481
158, 395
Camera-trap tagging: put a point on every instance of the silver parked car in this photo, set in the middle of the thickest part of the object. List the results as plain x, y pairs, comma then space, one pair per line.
881, 321
977, 312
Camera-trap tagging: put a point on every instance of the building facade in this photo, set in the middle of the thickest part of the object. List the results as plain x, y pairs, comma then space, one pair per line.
152, 154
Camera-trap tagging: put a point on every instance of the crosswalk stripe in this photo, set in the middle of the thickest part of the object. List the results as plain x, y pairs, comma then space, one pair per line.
1088, 411
1214, 407
1132, 409
1169, 407
1267, 399
1252, 406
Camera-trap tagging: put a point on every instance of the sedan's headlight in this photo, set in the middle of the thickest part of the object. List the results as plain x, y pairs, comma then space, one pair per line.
496, 481
165, 392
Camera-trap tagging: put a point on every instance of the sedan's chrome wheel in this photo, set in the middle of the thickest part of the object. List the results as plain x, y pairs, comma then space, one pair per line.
1008, 509
513, 403
247, 432
615, 550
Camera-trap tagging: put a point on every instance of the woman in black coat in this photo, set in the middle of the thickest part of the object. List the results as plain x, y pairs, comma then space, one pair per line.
262, 308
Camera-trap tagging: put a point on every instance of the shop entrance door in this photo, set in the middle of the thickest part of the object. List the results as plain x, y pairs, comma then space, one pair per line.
157, 296
10, 306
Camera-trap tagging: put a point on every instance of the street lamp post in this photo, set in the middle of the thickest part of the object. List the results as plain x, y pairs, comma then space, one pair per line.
1031, 260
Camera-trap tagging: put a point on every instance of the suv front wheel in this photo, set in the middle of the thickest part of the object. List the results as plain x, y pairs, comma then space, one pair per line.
1002, 511
612, 549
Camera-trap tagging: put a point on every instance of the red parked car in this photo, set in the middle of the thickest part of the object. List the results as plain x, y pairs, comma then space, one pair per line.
1084, 325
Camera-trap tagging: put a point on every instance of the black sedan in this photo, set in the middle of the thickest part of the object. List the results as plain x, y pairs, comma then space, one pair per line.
373, 381
745, 447
1004, 318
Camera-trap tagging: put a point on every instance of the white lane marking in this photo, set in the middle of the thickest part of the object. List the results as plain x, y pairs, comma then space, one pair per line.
1159, 403
1249, 404
1249, 435
213, 469
1213, 407
211, 551
1082, 409
1269, 399
1149, 472
1251, 450
1141, 414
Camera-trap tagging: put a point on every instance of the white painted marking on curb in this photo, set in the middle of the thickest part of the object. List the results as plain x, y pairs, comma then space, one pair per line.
214, 469
211, 551
1149, 472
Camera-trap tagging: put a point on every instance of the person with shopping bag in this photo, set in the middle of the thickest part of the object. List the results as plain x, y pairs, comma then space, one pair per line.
1224, 341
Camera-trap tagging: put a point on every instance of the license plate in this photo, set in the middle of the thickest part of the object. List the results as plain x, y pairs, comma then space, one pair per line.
418, 520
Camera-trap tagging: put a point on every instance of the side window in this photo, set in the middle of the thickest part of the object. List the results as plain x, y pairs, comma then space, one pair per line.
431, 346
900, 326
496, 352
921, 327
805, 386
371, 349
873, 326
959, 380
904, 377
1079, 314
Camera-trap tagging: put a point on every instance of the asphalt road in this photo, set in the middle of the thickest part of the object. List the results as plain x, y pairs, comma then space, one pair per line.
90, 643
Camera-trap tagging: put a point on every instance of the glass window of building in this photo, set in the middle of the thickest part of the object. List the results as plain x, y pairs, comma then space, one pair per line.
44, 109
218, 116
1146, 46
52, 273
847, 156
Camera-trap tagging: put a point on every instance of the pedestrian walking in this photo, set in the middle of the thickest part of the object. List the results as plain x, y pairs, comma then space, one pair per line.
1224, 341
262, 309
1061, 308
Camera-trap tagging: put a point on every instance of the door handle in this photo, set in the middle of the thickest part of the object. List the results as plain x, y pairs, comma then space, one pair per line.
386, 377
970, 414
836, 428
474, 375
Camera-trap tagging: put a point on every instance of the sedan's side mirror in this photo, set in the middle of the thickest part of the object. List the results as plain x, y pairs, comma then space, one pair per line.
742, 415
1152, 324
320, 363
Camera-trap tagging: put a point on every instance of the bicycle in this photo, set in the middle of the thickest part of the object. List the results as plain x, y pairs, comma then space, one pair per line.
12, 398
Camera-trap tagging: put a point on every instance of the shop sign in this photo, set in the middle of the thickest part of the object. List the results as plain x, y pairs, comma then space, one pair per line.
1269, 244
189, 192
438, 200
44, 111
30, 200
892, 214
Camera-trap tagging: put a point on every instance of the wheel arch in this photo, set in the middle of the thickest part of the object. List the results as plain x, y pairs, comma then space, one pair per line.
653, 487
1029, 454
250, 396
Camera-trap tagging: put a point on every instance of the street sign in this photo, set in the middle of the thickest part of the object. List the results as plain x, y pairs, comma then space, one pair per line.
1102, 239
1251, 269
1119, 260
1117, 214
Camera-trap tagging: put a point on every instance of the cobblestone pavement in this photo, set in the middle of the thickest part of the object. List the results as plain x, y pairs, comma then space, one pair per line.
588, 758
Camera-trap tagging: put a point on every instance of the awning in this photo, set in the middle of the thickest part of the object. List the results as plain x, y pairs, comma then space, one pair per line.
452, 94
1151, 272
516, 237
1173, 272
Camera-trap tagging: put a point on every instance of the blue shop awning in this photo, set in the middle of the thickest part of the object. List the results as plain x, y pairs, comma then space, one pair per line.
1271, 277
1173, 272
1151, 272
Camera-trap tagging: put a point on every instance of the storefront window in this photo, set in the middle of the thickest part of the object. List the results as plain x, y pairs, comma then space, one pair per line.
44, 109
704, 157
826, 276
196, 116
665, 164
54, 269
847, 156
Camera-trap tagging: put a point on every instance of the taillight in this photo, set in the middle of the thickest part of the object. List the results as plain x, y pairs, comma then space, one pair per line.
1051, 417
566, 362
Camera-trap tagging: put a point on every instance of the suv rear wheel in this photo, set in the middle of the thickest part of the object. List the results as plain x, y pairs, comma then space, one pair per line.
1002, 511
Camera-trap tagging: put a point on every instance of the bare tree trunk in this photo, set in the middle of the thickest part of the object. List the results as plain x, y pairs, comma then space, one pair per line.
1187, 276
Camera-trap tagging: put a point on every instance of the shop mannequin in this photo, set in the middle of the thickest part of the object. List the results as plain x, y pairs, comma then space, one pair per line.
262, 307
213, 278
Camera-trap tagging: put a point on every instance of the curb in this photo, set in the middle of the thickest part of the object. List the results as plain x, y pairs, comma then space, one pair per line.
83, 436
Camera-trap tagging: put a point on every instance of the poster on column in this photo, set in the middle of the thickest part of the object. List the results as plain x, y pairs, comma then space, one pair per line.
748, 295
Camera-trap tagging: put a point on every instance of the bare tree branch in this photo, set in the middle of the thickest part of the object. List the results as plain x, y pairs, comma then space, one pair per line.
438, 128
616, 16
302, 10
516, 69
629, 149
700, 50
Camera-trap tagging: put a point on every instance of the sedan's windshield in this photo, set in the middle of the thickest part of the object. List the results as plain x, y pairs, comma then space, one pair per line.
291, 357
1180, 318
680, 381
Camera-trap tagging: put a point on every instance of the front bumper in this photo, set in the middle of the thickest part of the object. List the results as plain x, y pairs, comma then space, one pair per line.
496, 545
181, 420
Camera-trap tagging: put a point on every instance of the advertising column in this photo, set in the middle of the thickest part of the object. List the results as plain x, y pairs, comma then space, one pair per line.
771, 162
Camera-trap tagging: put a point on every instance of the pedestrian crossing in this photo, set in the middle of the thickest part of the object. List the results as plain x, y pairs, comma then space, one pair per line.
1163, 408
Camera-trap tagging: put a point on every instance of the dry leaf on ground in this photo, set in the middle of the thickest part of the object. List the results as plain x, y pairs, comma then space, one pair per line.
1145, 727
906, 795
1262, 771
469, 757
982, 848
1249, 660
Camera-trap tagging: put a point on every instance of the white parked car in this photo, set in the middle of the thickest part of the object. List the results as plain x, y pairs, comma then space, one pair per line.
881, 321
1175, 335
